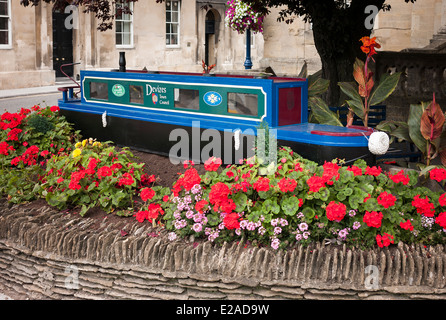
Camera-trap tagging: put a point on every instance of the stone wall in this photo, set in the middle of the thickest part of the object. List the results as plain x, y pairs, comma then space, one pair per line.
423, 74
47, 254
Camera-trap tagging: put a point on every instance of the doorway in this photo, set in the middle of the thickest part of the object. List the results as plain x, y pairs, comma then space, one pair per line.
212, 21
62, 44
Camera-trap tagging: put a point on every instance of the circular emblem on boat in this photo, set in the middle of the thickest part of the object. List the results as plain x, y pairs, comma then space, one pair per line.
212, 98
118, 90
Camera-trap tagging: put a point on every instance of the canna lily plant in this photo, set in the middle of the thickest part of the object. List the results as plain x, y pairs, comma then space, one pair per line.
363, 94
424, 128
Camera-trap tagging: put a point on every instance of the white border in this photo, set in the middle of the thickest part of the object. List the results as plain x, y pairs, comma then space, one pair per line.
179, 111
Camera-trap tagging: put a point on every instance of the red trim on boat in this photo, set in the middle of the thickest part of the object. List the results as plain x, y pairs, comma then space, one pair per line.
364, 131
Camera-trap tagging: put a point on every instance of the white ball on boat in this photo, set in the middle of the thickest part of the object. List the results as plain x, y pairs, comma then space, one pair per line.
379, 143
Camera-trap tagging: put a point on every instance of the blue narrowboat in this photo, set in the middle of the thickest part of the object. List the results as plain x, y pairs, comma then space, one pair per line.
161, 112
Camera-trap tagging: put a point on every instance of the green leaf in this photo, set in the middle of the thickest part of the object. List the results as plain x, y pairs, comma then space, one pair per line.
271, 206
309, 213
414, 122
322, 113
355, 102
290, 206
317, 86
384, 89
240, 200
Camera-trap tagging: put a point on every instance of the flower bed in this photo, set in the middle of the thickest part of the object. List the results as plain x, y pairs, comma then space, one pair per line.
295, 202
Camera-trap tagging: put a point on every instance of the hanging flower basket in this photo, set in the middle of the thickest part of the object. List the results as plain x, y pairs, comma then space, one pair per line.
240, 17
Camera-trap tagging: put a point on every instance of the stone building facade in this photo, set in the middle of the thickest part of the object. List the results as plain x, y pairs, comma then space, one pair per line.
178, 35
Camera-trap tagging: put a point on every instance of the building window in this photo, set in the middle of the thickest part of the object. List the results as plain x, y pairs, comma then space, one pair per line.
173, 23
5, 24
124, 24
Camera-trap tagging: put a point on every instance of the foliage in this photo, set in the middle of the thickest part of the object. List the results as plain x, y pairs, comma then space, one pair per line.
424, 128
319, 109
104, 10
95, 174
300, 201
28, 138
362, 96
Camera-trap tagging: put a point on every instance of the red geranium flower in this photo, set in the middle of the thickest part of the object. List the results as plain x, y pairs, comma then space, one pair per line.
126, 180
231, 221
54, 108
373, 219
437, 174
330, 171
262, 184
442, 200
191, 178
212, 164
357, 171
406, 225
287, 184
385, 240
200, 205
316, 183
335, 211
441, 220
386, 199
373, 171
400, 177
104, 172
5, 147
147, 194
13, 135
424, 206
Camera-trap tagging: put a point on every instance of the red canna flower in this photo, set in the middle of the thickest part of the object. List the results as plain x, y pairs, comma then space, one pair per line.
369, 45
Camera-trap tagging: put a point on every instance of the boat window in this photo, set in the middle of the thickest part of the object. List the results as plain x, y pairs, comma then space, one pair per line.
136, 94
99, 90
187, 99
243, 103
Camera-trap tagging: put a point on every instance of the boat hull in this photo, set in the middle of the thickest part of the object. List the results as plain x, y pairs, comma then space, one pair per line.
181, 142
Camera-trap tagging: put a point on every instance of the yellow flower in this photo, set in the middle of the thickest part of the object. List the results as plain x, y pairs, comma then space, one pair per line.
77, 153
90, 140
96, 143
84, 142
78, 144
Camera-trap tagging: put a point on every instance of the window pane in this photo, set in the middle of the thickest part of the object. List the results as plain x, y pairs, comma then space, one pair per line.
118, 26
99, 90
126, 27
243, 103
187, 99
174, 16
136, 94
3, 8
3, 23
4, 37
118, 38
126, 39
